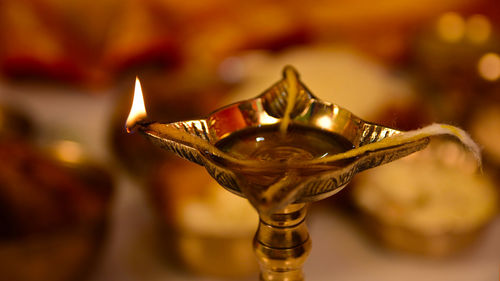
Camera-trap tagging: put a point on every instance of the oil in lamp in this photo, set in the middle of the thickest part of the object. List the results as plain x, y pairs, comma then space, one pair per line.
283, 150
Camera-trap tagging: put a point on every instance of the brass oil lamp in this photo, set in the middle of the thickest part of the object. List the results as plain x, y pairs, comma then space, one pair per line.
283, 150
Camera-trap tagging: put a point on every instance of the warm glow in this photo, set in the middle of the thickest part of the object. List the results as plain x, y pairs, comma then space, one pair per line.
266, 119
489, 66
68, 151
336, 110
478, 29
324, 122
451, 27
138, 110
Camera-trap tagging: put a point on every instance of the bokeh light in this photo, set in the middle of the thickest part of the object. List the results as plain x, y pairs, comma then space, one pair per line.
478, 29
489, 66
451, 27
68, 151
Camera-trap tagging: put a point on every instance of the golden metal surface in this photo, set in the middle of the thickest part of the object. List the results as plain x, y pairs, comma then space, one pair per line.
282, 242
195, 141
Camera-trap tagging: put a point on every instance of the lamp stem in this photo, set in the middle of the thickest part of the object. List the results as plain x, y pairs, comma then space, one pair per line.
282, 244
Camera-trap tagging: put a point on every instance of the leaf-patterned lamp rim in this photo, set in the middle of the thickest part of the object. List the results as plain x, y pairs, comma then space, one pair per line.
195, 140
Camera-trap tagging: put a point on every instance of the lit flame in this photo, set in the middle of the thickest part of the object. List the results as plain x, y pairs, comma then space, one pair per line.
138, 110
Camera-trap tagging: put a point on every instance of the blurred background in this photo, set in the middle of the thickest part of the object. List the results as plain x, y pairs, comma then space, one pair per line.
82, 200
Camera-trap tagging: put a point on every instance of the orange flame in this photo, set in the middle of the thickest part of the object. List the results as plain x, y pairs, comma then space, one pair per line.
138, 110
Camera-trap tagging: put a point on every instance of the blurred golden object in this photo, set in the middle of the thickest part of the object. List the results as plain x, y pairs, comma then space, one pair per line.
94, 44
489, 66
478, 29
205, 229
430, 203
451, 27
68, 152
485, 126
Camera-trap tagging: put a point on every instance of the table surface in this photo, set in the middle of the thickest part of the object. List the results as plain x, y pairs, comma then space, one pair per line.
339, 251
